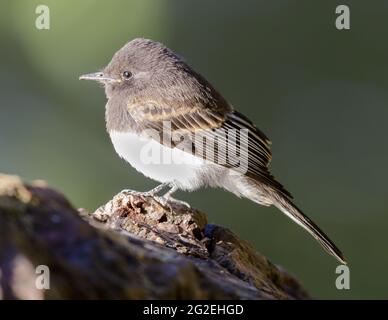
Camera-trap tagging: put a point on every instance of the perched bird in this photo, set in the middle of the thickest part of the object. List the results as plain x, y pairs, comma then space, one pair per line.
173, 126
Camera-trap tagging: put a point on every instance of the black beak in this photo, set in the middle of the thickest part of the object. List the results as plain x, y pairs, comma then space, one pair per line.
97, 76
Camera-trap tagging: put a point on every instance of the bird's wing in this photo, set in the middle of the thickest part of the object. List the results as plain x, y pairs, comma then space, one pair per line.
208, 131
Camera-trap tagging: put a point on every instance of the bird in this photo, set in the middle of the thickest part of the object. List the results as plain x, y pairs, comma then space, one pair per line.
170, 124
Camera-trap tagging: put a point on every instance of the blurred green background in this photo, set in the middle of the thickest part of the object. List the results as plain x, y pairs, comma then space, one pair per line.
320, 94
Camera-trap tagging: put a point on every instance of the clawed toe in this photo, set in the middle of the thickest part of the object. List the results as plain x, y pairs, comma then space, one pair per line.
166, 201
151, 193
135, 193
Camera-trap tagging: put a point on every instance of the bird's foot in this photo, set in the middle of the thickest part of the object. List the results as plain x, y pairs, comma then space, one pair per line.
131, 192
151, 193
167, 200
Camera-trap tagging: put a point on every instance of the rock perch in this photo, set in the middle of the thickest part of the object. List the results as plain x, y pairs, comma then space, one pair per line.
133, 247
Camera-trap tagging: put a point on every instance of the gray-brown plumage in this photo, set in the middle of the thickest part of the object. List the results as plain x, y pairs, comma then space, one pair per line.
147, 86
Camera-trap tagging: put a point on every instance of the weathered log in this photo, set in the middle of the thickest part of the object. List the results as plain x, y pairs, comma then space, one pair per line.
133, 247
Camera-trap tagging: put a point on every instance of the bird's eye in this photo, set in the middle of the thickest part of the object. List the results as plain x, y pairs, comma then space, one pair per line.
127, 74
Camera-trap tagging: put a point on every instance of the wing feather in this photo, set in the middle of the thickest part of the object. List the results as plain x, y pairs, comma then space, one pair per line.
199, 125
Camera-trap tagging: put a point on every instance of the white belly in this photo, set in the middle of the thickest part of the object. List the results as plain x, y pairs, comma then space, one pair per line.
160, 163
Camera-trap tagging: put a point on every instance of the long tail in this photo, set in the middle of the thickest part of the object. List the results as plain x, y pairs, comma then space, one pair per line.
286, 206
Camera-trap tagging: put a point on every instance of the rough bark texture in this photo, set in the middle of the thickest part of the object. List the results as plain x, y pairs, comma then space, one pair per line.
131, 248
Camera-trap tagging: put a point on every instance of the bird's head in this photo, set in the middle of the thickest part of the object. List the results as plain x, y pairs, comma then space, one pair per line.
140, 65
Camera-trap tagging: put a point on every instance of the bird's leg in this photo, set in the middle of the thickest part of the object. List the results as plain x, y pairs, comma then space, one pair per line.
158, 188
151, 193
172, 190
166, 198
